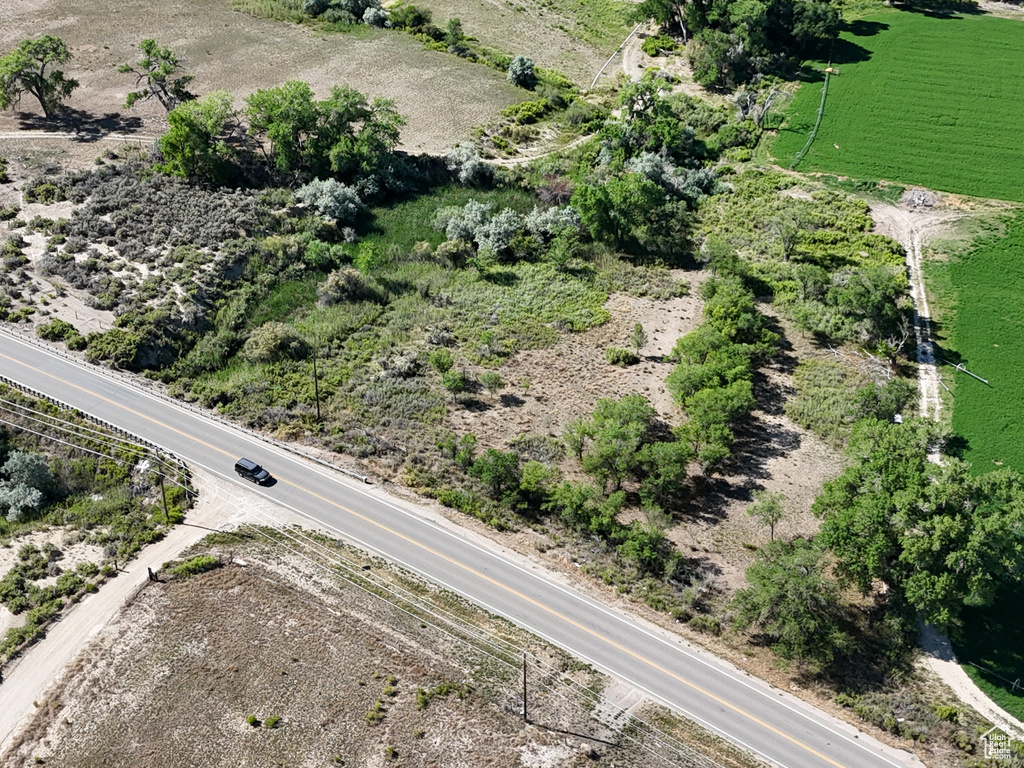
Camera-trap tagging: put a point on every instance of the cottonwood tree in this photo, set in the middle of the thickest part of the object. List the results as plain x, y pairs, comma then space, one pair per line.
154, 77
938, 536
792, 603
29, 69
344, 135
196, 144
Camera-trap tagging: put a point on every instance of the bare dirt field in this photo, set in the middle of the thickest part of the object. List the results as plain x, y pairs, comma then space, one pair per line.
354, 679
442, 96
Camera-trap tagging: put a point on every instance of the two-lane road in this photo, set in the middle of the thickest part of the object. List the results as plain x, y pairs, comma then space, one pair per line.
768, 722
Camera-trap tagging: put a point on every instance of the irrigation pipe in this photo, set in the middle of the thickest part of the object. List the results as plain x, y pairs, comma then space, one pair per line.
602, 69
821, 111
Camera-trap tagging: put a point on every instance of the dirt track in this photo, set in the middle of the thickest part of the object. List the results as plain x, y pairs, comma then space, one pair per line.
912, 229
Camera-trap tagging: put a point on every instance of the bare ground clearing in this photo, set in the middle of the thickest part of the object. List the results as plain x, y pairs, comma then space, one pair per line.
442, 96
281, 636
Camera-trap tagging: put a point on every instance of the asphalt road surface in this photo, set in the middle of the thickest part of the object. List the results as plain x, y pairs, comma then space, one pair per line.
766, 721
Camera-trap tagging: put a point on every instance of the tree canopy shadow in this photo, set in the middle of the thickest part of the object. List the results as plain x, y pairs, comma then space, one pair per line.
86, 126
942, 9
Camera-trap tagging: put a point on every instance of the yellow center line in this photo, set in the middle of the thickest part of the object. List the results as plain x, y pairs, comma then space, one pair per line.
462, 566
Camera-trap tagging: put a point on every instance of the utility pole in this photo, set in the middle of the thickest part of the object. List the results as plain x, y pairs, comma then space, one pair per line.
316, 386
163, 493
526, 716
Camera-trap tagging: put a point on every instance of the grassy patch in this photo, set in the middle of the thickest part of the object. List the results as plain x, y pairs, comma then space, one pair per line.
278, 10
906, 110
994, 639
987, 335
406, 223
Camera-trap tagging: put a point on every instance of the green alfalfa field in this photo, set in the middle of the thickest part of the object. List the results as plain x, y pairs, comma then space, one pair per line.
919, 99
985, 333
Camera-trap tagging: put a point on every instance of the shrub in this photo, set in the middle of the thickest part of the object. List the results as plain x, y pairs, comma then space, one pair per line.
332, 199
195, 565
341, 285
706, 624
521, 74
655, 46
583, 114
526, 112
272, 721
621, 357
57, 330
272, 342
375, 17
253, 721
118, 346
466, 165
45, 192
410, 17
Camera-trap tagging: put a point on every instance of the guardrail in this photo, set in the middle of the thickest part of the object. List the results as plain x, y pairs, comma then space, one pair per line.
129, 437
155, 390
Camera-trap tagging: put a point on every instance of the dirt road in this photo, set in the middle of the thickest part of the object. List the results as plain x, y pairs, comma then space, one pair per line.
912, 229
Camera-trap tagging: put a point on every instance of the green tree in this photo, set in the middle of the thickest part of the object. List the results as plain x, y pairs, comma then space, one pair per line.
768, 509
664, 472
536, 482
28, 69
792, 604
154, 77
576, 434
621, 210
288, 116
345, 134
441, 360
620, 429
356, 135
499, 470
865, 510
196, 143
454, 382
967, 543
492, 381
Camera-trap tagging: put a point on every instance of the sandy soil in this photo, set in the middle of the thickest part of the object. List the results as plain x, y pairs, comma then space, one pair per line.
229, 50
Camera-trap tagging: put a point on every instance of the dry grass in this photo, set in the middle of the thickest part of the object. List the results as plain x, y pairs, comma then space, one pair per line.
574, 36
443, 96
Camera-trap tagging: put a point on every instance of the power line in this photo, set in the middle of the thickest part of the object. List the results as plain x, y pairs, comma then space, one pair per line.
502, 650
